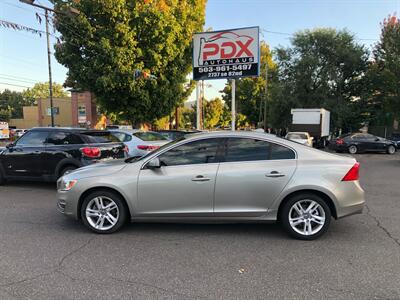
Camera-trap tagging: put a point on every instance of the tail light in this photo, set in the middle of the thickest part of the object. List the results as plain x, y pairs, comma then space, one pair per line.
339, 142
147, 147
353, 173
91, 152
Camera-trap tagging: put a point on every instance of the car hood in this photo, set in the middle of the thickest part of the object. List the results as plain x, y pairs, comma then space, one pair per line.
99, 169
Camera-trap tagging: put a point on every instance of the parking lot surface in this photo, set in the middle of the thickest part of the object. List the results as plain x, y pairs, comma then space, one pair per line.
45, 255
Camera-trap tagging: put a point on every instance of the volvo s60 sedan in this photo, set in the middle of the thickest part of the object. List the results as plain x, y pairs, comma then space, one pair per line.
224, 176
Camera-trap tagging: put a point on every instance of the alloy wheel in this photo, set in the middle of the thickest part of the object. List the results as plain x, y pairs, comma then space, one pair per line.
391, 149
352, 149
307, 217
102, 213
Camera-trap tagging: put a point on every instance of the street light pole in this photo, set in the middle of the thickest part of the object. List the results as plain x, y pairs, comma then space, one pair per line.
49, 64
266, 97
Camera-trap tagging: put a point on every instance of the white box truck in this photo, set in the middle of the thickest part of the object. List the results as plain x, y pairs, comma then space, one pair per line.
315, 121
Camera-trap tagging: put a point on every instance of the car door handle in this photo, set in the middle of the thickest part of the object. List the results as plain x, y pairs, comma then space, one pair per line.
274, 174
201, 178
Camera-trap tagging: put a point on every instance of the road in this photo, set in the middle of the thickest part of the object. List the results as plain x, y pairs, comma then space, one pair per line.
45, 255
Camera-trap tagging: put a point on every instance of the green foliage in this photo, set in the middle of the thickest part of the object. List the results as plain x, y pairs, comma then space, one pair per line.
384, 73
213, 111
104, 45
323, 68
42, 90
250, 92
11, 104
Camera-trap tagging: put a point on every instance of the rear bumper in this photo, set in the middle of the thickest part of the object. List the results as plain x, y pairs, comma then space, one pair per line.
350, 199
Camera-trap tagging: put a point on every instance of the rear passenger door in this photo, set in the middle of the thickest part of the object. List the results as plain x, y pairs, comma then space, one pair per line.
251, 176
62, 147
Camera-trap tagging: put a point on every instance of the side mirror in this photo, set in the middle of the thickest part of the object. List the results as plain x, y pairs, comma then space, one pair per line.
154, 163
10, 145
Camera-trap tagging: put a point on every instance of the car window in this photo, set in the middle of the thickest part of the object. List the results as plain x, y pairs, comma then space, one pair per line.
297, 136
149, 136
247, 149
120, 136
196, 152
33, 138
64, 138
281, 152
100, 137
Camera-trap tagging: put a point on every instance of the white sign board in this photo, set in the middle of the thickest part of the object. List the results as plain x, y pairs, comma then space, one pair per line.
231, 53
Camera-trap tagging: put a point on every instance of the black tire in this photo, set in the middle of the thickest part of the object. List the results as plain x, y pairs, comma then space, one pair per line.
286, 211
66, 169
120, 203
390, 149
353, 149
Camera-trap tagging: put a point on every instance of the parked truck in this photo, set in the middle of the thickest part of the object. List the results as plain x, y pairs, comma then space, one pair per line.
315, 121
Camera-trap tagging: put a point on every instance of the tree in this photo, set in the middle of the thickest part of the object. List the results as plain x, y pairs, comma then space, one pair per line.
213, 111
385, 70
42, 90
323, 68
250, 92
109, 41
11, 104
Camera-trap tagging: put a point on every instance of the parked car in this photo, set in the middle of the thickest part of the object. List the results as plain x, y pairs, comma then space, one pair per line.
47, 153
362, 142
174, 134
300, 137
140, 142
220, 176
395, 137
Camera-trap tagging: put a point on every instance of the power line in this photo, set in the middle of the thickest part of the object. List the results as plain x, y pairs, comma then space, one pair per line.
24, 86
13, 79
20, 77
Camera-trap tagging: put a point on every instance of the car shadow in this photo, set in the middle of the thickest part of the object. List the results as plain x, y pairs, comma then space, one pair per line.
32, 184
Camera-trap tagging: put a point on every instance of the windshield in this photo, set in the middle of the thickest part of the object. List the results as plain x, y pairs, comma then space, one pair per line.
137, 158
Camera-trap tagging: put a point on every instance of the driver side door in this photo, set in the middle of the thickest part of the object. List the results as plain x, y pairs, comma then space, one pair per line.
184, 184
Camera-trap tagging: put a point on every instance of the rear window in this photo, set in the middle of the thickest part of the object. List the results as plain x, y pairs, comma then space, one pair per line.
297, 136
150, 136
100, 137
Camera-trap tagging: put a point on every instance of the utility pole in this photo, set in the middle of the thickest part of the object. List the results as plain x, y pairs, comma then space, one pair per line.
46, 14
233, 107
266, 97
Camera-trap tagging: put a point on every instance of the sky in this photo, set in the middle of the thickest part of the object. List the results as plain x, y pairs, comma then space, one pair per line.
23, 55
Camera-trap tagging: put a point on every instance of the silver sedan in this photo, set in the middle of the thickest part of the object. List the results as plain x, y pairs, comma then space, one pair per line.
224, 176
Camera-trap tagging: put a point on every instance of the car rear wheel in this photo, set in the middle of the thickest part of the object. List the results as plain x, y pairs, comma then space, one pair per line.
353, 149
391, 149
103, 212
305, 216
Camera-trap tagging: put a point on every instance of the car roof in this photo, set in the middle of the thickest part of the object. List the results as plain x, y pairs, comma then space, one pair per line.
80, 130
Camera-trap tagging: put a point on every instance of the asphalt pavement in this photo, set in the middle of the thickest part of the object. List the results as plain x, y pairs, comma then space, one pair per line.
44, 255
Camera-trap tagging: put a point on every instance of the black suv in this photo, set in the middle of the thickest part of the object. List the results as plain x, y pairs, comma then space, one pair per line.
47, 153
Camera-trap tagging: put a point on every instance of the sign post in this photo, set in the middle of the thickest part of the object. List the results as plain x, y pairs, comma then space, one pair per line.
197, 106
225, 54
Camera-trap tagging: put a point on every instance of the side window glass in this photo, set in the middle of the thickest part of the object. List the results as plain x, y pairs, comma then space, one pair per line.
128, 138
197, 152
63, 138
281, 152
246, 149
33, 138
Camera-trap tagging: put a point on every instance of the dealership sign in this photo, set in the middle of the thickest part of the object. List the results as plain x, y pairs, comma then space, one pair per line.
230, 53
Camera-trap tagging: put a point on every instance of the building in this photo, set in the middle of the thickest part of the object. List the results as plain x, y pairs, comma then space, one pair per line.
79, 110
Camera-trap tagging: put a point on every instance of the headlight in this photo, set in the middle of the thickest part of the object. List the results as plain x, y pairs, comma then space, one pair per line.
66, 185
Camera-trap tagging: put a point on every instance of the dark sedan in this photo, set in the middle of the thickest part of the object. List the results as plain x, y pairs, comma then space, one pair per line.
362, 142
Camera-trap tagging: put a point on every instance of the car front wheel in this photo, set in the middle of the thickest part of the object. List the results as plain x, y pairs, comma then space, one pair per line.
391, 149
305, 216
103, 212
